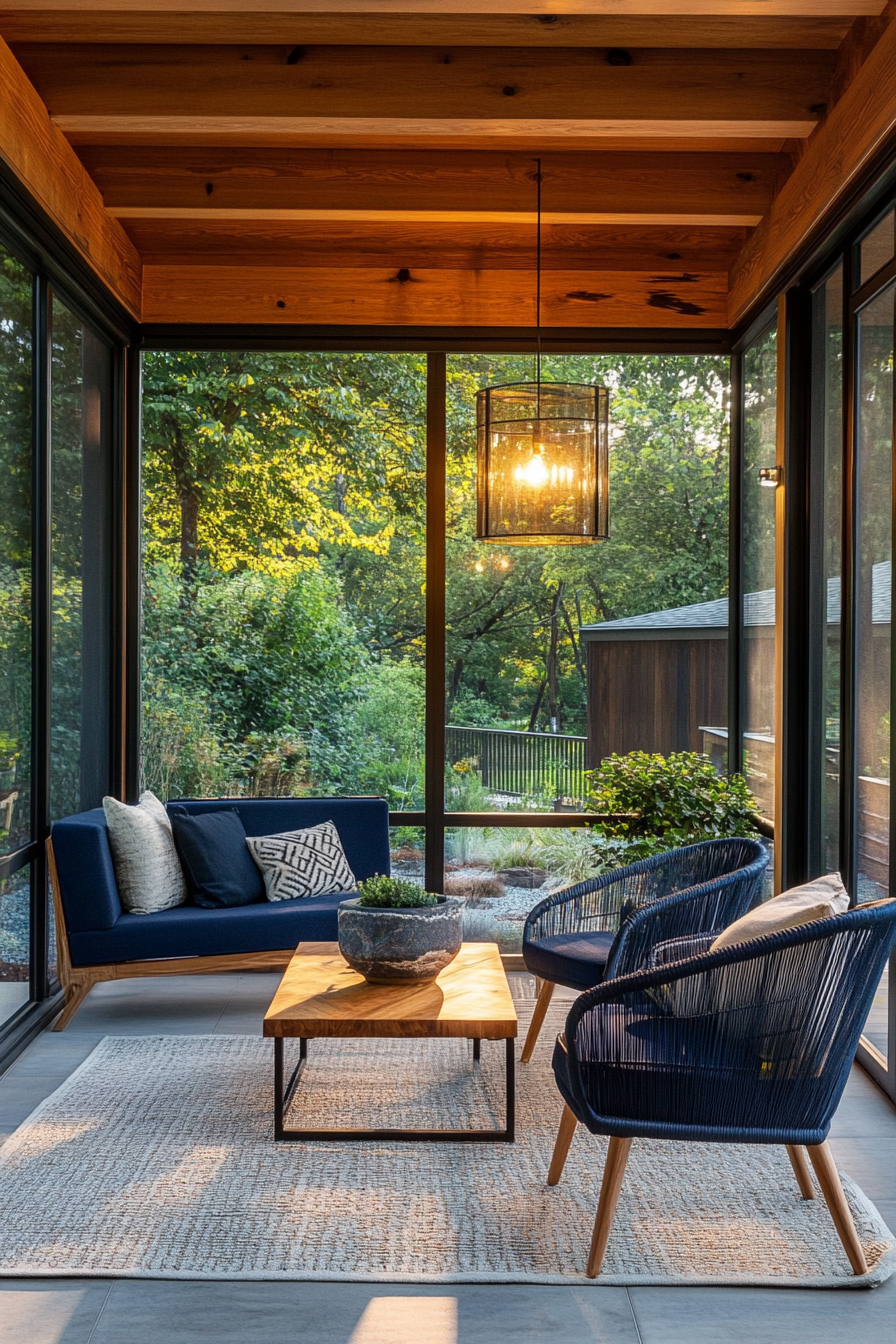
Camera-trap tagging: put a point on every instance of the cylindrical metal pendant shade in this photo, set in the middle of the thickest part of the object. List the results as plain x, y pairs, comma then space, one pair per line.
542, 464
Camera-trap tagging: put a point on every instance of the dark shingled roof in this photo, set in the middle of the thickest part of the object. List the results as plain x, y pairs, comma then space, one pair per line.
759, 609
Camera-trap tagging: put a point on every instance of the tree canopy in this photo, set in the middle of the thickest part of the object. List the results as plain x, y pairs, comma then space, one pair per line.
284, 536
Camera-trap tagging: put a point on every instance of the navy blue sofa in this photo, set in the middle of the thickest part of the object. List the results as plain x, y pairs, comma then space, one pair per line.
97, 941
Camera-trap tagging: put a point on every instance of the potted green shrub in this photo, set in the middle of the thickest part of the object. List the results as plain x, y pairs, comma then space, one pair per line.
396, 933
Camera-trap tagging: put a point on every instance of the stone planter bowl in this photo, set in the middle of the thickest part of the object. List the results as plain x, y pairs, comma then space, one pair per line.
400, 946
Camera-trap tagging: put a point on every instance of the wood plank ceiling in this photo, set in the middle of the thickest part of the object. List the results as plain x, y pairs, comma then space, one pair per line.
372, 161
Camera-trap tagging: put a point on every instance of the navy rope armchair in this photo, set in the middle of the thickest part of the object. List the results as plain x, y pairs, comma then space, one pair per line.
750, 1044
607, 926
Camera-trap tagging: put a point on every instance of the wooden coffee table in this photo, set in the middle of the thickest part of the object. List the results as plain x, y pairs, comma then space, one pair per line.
320, 995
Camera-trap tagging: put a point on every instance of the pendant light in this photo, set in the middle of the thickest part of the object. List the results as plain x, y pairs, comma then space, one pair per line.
542, 454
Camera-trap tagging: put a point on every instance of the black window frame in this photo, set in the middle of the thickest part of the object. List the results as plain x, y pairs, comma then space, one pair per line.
58, 271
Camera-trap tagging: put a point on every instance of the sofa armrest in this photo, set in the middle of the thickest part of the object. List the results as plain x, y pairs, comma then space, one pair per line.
86, 875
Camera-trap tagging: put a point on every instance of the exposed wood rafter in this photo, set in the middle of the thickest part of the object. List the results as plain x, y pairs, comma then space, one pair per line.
861, 124
39, 156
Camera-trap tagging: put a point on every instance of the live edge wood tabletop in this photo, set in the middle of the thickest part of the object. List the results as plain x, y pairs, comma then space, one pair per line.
320, 995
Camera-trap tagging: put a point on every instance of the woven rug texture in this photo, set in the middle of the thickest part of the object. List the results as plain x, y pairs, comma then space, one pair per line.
155, 1159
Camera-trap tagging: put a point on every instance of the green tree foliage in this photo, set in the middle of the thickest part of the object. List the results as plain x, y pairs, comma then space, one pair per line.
513, 650
284, 544
15, 539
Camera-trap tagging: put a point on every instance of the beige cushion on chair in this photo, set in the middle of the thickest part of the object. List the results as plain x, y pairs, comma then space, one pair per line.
800, 905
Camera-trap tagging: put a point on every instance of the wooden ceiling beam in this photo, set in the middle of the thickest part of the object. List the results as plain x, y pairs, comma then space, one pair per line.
406, 92
45, 21
862, 123
433, 247
562, 11
213, 179
438, 298
48, 168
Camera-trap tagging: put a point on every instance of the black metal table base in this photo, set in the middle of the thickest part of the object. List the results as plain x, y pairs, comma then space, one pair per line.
284, 1095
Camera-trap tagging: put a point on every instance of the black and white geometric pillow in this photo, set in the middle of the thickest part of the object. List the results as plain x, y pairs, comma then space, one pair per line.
310, 862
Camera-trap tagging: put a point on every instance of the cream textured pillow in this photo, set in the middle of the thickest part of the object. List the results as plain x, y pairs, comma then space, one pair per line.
147, 868
814, 900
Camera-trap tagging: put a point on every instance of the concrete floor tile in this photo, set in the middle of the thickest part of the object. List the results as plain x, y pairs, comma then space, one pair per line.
54, 1311
18, 1099
52, 1053
869, 1161
764, 1316
354, 1313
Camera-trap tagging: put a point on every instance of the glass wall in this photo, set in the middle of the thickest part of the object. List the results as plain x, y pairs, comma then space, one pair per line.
56, 603
827, 430
284, 575
16, 361
80, 478
758, 541
874, 453
560, 656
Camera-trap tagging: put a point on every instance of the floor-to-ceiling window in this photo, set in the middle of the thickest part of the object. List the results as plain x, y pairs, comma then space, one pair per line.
284, 577
874, 406
287, 560
57, 614
81, 555
758, 479
827, 498
16, 390
850, 500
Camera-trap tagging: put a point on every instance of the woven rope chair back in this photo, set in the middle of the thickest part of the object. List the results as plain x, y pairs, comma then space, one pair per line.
754, 1038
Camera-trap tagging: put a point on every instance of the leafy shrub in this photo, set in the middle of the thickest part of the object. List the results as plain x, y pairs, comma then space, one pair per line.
391, 893
680, 800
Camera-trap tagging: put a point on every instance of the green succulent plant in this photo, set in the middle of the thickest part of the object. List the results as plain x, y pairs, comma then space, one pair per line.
391, 893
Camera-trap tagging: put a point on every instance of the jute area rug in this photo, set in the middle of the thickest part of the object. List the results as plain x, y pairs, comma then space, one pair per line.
155, 1160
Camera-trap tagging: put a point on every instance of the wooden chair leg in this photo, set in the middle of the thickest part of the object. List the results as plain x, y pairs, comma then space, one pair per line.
614, 1170
801, 1170
829, 1180
568, 1124
541, 1007
75, 994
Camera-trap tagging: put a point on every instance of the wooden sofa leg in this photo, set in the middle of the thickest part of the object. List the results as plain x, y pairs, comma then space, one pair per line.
801, 1170
568, 1125
541, 1007
75, 994
614, 1170
829, 1180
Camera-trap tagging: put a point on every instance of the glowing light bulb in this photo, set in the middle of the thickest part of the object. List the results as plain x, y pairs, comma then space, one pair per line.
534, 473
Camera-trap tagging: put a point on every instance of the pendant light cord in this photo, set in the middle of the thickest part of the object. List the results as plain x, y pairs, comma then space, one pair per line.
538, 287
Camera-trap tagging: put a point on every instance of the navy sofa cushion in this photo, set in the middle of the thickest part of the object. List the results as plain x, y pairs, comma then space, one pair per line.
99, 932
362, 823
219, 869
577, 960
188, 931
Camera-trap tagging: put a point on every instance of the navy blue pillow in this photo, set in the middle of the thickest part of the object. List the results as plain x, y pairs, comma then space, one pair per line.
218, 867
